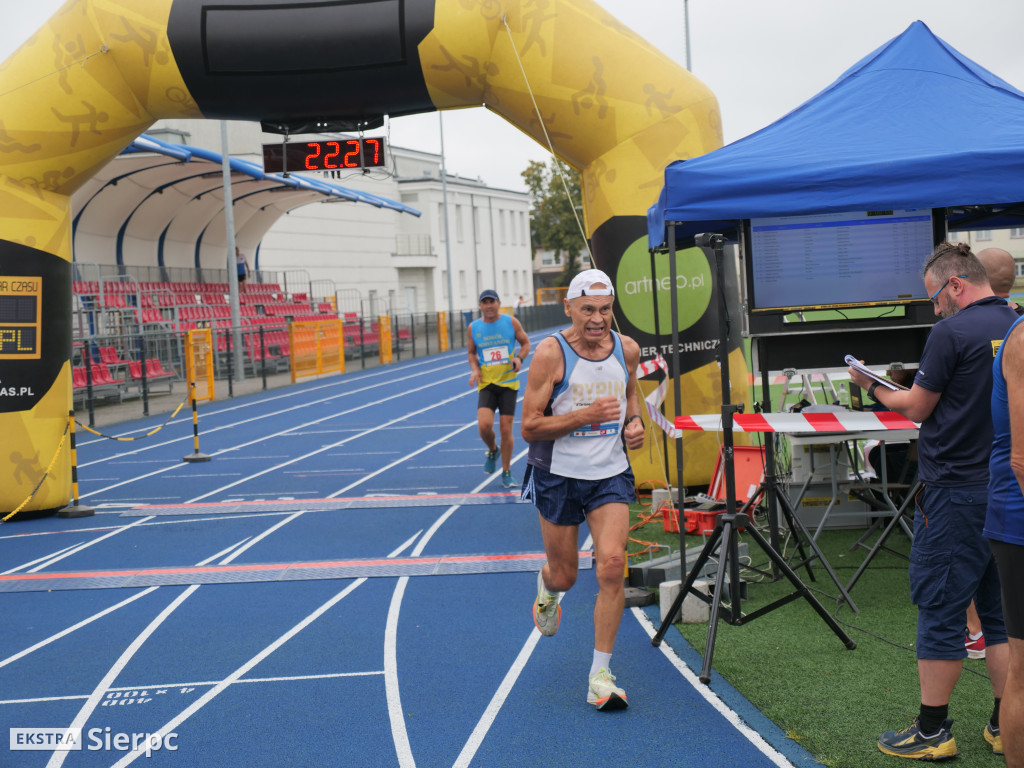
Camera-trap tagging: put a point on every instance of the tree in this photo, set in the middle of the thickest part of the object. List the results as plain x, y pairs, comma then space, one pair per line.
552, 223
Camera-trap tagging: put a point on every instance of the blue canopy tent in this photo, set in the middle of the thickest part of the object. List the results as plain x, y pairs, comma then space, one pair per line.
915, 124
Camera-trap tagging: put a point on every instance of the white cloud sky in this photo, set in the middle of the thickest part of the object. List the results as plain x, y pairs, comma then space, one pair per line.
760, 59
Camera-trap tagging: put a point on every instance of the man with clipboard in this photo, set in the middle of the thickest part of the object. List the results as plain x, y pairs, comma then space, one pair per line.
950, 561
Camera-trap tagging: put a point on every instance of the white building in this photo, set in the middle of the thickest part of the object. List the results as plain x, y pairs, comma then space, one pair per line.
1010, 240
380, 260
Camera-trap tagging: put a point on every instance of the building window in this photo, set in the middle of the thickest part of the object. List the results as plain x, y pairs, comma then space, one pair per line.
444, 284
983, 234
440, 222
476, 224
1017, 232
462, 283
458, 224
501, 227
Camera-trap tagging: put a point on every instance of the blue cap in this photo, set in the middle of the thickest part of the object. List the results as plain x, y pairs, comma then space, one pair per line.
490, 293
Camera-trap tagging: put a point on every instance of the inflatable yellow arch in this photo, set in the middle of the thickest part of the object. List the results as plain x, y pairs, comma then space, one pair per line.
99, 72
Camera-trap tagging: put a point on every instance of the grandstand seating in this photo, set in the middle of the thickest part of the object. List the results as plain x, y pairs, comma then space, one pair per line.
155, 372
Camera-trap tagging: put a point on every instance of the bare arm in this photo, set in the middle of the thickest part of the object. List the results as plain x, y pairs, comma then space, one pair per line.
916, 403
524, 346
474, 362
634, 430
1013, 370
546, 369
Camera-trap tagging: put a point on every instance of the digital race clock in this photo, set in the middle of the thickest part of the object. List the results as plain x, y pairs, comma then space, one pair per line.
324, 155
20, 317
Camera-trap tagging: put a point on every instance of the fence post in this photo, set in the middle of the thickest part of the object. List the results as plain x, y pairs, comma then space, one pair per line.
87, 361
74, 509
384, 339
263, 358
145, 381
442, 331
229, 338
195, 455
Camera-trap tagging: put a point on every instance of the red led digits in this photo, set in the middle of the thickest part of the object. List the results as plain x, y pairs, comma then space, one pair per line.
310, 156
351, 159
375, 143
324, 155
335, 151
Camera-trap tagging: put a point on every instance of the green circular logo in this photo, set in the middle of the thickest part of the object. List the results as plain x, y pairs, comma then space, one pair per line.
635, 288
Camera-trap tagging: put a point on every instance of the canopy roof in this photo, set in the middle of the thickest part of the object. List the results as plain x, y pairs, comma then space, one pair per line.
156, 191
915, 124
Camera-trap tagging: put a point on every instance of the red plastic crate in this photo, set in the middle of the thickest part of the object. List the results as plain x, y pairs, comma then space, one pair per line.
695, 521
748, 464
670, 519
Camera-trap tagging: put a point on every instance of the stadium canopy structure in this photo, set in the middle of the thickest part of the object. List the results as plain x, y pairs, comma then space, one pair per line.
914, 124
158, 203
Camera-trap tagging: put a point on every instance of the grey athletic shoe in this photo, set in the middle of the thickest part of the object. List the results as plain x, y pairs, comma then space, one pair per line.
546, 610
604, 694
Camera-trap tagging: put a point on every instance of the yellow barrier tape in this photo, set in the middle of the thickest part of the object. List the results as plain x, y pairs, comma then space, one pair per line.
53, 461
151, 432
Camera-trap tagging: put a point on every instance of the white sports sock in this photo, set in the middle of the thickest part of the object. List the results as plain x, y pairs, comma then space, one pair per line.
600, 660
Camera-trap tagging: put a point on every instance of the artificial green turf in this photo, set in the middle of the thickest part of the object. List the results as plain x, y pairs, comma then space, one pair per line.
833, 701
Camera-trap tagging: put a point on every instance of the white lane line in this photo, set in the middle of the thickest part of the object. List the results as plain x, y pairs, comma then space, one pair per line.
85, 622
257, 539
476, 738
224, 684
58, 757
240, 422
407, 456
204, 684
215, 411
392, 688
271, 436
74, 627
399, 734
29, 564
75, 550
356, 436
712, 698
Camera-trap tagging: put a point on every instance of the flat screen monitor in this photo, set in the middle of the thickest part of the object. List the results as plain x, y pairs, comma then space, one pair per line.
838, 260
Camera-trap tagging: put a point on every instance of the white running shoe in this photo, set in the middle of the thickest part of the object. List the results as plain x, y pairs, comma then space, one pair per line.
546, 610
604, 694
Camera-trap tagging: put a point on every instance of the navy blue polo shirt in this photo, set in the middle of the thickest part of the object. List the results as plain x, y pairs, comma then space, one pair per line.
956, 440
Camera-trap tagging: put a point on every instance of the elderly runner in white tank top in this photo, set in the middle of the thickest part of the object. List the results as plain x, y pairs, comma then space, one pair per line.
581, 412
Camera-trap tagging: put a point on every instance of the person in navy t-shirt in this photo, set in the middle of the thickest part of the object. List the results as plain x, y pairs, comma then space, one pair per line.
1004, 525
951, 561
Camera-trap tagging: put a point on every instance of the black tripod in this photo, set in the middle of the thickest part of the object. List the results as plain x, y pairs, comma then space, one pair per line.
725, 531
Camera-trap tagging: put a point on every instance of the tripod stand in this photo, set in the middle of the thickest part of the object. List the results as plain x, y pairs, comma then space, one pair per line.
725, 531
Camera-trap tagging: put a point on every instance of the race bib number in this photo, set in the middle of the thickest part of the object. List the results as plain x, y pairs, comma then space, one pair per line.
597, 430
495, 355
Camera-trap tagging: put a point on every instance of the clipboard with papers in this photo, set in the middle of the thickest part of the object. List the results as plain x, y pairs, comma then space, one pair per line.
856, 364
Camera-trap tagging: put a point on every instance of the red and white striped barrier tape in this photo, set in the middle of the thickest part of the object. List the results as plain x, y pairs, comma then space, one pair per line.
827, 421
654, 400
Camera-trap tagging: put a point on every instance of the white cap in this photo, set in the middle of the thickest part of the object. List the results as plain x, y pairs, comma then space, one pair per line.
580, 285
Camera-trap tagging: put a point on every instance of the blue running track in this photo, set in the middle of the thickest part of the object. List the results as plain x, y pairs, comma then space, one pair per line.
346, 587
